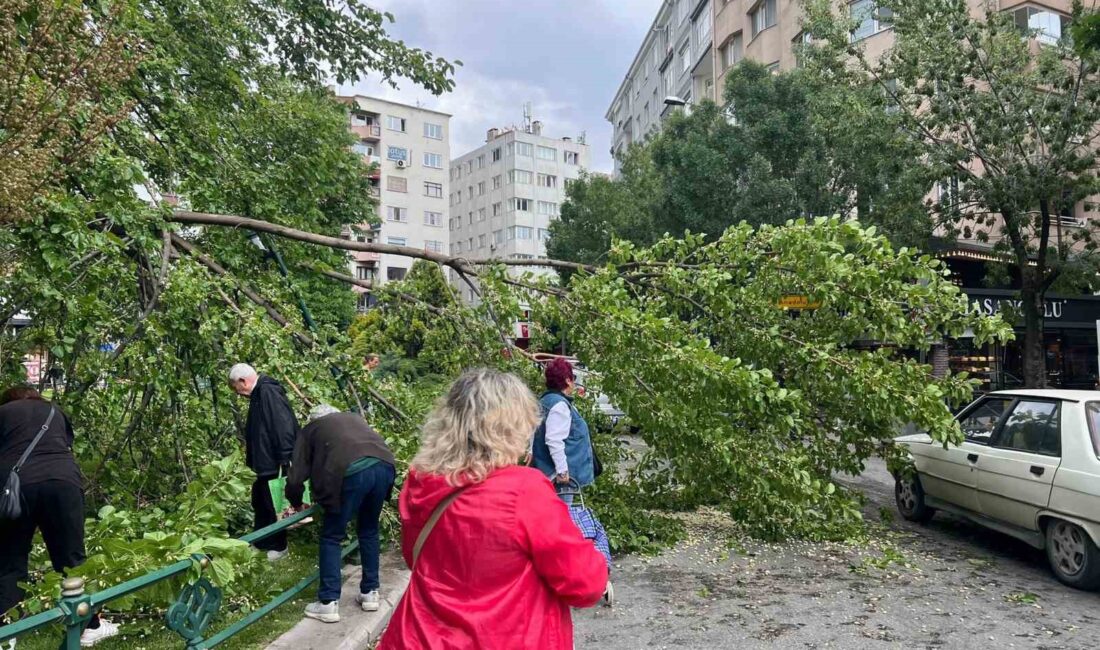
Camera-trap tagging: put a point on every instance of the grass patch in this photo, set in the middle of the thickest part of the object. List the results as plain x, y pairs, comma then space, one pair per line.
149, 633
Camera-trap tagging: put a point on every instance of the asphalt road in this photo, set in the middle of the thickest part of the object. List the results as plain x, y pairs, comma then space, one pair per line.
949, 584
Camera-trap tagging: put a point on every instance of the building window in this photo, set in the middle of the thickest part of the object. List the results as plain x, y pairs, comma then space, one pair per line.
481, 241
496, 155
572, 158
456, 248
394, 123
400, 154
548, 208
547, 153
469, 191
685, 57
456, 173
481, 161
364, 272
498, 181
433, 160
683, 8
433, 218
522, 205
363, 302
544, 234
871, 20
773, 68
497, 209
762, 16
395, 273
525, 149
470, 244
437, 246
520, 177
363, 149
1046, 25
498, 237
481, 214
397, 184
703, 21
396, 241
524, 232
548, 180
469, 166
434, 190
433, 131
399, 215
733, 51
481, 188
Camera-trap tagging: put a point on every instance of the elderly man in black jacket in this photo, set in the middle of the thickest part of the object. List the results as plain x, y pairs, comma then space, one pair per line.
270, 432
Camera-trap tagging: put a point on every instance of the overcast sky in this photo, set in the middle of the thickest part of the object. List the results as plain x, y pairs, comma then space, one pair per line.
566, 57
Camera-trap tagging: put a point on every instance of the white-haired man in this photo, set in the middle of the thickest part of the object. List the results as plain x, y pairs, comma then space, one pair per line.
351, 471
269, 435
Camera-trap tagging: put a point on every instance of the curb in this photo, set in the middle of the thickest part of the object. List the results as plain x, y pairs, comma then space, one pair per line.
357, 629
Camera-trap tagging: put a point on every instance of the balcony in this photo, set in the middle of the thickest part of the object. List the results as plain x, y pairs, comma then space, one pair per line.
375, 192
367, 131
364, 257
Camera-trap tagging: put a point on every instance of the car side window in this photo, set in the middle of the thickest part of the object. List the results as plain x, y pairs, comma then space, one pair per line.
980, 421
1092, 410
1033, 427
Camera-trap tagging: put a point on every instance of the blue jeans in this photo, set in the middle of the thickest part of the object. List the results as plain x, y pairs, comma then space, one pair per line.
362, 496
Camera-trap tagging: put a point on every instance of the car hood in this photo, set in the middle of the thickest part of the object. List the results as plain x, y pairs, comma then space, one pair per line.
922, 438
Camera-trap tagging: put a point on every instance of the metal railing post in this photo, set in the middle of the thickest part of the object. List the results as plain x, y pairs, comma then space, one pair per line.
78, 611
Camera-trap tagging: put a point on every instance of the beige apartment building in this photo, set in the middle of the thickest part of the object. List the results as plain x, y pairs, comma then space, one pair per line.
409, 147
768, 31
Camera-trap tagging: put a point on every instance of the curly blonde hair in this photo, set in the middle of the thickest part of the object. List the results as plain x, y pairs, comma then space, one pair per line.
485, 421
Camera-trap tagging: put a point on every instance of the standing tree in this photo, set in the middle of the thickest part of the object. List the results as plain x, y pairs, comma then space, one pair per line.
1005, 118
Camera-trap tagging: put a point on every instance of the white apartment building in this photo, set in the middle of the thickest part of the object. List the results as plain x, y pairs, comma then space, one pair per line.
410, 147
505, 193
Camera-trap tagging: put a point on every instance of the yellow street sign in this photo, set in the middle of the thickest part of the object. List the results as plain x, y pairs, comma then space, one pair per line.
797, 302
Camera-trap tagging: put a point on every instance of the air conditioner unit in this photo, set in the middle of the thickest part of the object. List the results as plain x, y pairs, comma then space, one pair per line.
401, 164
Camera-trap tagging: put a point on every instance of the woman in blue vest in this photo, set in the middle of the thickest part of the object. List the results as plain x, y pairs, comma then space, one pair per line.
562, 448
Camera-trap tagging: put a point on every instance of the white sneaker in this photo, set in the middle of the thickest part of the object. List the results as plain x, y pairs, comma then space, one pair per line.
8, 646
370, 602
329, 613
609, 595
275, 556
105, 630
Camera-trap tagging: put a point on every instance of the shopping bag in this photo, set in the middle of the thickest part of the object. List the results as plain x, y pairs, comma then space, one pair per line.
277, 486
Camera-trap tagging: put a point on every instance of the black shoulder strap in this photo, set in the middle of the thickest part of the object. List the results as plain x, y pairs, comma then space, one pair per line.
30, 448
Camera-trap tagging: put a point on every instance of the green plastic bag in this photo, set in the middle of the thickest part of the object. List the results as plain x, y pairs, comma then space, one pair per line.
278, 494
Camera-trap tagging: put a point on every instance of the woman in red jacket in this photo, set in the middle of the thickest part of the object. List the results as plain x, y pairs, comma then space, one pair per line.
503, 562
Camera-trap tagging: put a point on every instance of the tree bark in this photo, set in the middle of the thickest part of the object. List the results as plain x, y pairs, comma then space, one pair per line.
1034, 356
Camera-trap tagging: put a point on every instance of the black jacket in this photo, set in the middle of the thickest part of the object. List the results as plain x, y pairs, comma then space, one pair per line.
271, 428
325, 449
52, 459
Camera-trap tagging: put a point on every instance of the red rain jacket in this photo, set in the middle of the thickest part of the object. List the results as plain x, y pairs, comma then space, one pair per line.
501, 568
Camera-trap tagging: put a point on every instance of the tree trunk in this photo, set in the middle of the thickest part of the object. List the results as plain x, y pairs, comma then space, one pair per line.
1034, 356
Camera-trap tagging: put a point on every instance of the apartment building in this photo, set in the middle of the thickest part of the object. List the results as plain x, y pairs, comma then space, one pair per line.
676, 59
769, 31
409, 148
506, 192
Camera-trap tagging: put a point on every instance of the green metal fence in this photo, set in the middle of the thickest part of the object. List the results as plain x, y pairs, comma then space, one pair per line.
189, 615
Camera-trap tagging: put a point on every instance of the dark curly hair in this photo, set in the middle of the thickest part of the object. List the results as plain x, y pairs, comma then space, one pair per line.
19, 392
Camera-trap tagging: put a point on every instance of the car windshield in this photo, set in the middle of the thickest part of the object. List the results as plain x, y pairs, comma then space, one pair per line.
1092, 414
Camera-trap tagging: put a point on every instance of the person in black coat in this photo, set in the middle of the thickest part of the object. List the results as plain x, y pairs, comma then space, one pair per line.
52, 490
270, 432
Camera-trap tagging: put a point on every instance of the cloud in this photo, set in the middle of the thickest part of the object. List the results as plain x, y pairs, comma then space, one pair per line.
566, 57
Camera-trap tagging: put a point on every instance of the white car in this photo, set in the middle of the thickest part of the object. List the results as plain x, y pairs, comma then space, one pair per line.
1029, 468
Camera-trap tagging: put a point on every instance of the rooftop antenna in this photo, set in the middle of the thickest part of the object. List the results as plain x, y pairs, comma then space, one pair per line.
583, 136
527, 117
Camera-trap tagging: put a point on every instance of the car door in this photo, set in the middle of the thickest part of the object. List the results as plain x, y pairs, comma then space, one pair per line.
1016, 473
950, 474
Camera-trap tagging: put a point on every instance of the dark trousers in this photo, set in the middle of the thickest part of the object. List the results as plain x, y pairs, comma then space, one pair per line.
361, 496
57, 509
263, 511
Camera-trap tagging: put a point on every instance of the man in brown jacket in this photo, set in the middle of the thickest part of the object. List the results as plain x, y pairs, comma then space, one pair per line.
351, 471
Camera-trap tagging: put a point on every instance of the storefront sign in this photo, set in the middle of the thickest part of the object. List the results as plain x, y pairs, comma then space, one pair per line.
797, 302
1058, 311
1052, 309
398, 153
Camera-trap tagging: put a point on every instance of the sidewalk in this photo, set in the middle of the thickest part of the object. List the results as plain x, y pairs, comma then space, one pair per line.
357, 629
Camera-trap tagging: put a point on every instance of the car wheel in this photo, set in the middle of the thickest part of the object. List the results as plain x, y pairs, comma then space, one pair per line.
1073, 556
909, 496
